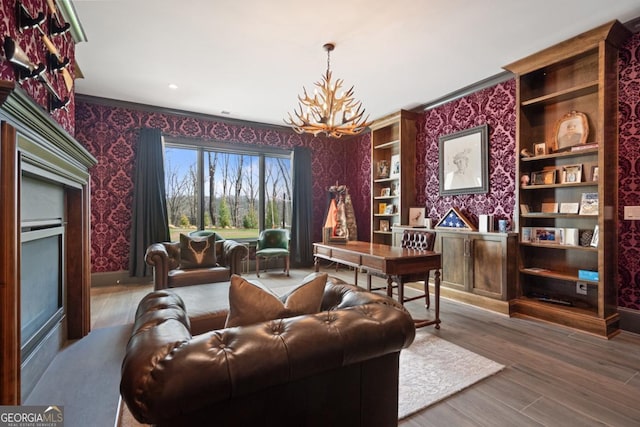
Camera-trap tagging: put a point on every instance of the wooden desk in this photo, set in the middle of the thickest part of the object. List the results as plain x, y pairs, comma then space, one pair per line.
393, 262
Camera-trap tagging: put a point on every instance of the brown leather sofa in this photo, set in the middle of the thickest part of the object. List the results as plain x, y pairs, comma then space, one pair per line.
165, 259
338, 367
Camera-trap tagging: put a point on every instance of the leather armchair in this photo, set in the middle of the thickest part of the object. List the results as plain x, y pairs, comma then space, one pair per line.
164, 257
338, 367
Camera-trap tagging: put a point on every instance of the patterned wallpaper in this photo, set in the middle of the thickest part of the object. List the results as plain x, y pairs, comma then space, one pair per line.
110, 134
629, 173
494, 106
30, 41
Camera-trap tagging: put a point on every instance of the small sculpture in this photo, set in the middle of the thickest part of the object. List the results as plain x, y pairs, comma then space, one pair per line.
524, 180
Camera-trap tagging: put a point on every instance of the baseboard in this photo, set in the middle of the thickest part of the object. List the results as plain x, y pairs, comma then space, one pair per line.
629, 320
113, 278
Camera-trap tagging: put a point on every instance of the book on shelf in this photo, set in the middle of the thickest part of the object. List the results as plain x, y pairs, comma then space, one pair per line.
581, 147
589, 204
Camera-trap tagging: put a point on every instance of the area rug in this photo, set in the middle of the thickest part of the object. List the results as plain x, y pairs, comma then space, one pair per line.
432, 369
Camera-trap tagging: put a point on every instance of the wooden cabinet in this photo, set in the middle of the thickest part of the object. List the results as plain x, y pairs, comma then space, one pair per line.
393, 163
478, 268
576, 76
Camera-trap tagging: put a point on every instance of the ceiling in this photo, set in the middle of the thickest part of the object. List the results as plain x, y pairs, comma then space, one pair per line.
249, 59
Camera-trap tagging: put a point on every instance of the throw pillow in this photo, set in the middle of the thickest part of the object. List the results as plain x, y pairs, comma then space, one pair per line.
197, 252
251, 302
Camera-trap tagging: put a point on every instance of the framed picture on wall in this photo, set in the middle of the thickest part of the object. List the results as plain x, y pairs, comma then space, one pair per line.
464, 161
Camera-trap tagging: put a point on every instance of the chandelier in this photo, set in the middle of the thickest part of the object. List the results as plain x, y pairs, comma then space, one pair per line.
327, 112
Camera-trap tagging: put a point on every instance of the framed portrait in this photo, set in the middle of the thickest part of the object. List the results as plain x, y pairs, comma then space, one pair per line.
385, 192
572, 129
540, 149
544, 177
389, 209
416, 217
571, 174
464, 167
395, 166
384, 225
382, 208
594, 174
383, 169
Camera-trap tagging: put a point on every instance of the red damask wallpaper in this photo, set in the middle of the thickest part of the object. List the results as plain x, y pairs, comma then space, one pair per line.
110, 134
494, 106
629, 173
30, 41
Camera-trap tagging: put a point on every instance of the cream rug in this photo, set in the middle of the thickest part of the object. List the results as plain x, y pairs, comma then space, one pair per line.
432, 369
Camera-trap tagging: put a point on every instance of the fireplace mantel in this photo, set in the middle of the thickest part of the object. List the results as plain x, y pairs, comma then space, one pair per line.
32, 143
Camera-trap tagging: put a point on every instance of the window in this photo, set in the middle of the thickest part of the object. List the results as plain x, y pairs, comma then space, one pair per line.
235, 190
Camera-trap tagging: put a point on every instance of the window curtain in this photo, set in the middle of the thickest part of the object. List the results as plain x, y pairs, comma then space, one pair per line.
301, 227
149, 211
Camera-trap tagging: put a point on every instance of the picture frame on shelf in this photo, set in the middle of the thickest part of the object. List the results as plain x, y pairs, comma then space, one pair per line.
543, 177
382, 207
382, 169
596, 237
385, 192
572, 129
571, 174
524, 208
525, 234
540, 149
549, 207
548, 235
395, 166
569, 207
384, 225
416, 217
390, 209
589, 204
463, 166
595, 174
395, 189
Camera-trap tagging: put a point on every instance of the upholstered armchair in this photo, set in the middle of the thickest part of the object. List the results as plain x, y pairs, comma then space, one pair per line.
195, 259
273, 243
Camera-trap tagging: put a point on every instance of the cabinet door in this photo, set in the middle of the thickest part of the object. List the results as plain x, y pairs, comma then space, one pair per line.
454, 248
489, 264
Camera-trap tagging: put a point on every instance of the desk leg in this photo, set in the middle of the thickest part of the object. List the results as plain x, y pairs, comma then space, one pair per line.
437, 286
389, 286
436, 320
316, 265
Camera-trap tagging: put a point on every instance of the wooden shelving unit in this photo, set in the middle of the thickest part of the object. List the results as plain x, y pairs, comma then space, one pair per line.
579, 75
392, 137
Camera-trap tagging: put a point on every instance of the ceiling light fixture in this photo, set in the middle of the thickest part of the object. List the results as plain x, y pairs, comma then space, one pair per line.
327, 112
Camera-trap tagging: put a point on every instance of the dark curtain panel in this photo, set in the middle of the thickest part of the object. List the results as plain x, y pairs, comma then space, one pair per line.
301, 227
149, 211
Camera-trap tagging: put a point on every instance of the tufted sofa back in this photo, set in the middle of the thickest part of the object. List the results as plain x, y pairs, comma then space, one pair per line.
170, 377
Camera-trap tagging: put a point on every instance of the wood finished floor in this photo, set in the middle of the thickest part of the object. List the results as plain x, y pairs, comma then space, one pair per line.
553, 376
